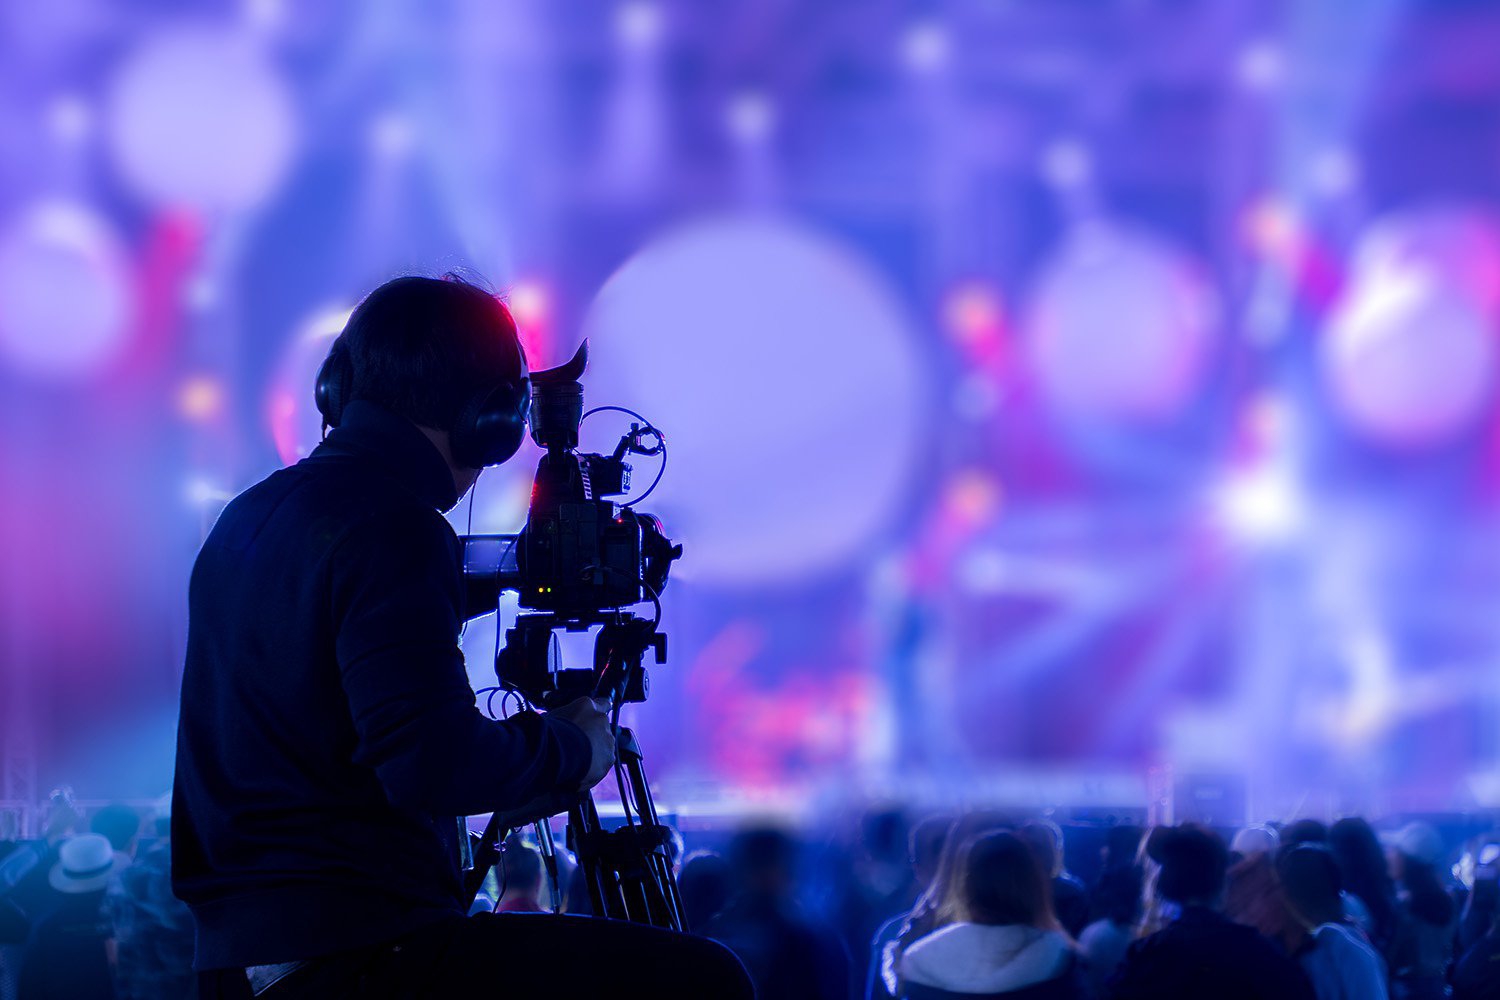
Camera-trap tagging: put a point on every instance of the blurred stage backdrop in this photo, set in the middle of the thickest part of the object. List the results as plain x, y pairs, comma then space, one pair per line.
1069, 400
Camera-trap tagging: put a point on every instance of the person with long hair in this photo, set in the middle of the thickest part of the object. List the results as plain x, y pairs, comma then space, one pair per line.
1366, 879
1005, 940
1423, 944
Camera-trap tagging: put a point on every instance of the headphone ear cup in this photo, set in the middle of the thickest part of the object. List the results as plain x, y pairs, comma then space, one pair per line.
492, 426
331, 390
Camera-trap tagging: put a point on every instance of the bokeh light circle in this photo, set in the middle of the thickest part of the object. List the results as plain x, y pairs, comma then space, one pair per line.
785, 375
199, 117
1409, 356
1460, 242
1119, 324
67, 303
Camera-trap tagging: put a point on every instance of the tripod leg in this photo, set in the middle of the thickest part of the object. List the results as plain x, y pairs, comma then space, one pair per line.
660, 899
602, 877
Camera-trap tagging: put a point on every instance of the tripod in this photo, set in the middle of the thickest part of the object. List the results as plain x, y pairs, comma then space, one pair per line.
628, 870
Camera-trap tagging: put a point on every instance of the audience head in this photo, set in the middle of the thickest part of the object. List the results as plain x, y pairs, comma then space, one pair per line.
1045, 839
1417, 852
1254, 840
883, 834
1002, 884
523, 867
1363, 868
942, 898
1253, 896
120, 824
1122, 846
927, 840
1310, 878
705, 886
763, 861
1303, 831
1193, 863
1118, 894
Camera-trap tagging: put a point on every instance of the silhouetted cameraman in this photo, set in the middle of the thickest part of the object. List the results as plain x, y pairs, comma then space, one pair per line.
329, 737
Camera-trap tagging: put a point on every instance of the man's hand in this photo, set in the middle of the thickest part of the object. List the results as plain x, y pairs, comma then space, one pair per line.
588, 715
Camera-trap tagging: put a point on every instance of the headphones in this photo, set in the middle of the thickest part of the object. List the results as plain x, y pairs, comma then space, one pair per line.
490, 427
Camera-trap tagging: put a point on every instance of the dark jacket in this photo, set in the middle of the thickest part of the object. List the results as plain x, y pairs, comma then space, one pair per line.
788, 956
1205, 954
328, 734
1476, 976
65, 958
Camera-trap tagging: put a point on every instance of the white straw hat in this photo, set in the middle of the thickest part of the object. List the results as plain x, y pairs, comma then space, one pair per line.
85, 864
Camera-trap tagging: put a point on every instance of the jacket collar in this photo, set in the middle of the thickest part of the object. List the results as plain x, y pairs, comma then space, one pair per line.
369, 431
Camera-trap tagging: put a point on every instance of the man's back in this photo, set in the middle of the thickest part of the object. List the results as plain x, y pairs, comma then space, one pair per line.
329, 734
1204, 954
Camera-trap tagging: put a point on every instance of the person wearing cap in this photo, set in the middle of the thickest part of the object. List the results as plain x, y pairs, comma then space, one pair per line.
1201, 953
1336, 957
67, 957
1423, 946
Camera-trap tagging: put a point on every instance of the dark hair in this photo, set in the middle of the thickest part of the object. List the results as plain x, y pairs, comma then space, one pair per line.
1362, 865
119, 823
523, 864
761, 851
1122, 845
1303, 831
1003, 884
1310, 877
1117, 895
1193, 862
705, 886
1425, 896
421, 347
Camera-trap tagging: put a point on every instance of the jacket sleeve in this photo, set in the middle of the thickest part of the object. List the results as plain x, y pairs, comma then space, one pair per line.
396, 603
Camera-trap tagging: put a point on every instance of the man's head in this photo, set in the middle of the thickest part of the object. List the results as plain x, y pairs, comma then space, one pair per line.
120, 823
435, 351
523, 868
1310, 877
763, 860
1193, 863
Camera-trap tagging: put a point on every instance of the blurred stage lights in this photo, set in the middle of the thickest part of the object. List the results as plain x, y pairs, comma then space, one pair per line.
750, 117
67, 303
1261, 505
1120, 325
1409, 358
199, 117
1409, 351
201, 399
925, 47
638, 24
773, 358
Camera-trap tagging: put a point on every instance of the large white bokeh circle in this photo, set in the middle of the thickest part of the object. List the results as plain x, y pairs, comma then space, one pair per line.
66, 299
198, 117
786, 376
1409, 356
1119, 325
1460, 242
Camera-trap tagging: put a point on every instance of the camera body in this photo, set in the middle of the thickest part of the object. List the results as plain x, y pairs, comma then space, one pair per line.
579, 561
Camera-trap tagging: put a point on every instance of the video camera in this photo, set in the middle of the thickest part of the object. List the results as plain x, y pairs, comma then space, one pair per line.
581, 558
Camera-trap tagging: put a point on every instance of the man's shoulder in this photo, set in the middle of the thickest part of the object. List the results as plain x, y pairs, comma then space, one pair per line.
332, 496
